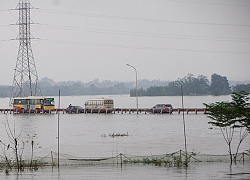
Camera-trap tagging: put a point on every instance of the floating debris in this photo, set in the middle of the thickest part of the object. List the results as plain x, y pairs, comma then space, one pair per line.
118, 135
115, 135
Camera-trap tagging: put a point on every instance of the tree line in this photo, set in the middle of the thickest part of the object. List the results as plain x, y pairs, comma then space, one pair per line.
95, 87
192, 85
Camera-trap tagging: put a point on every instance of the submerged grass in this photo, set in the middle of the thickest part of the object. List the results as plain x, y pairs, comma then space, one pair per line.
169, 160
24, 165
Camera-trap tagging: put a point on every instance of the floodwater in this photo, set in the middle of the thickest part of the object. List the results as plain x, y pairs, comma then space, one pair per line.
87, 136
207, 171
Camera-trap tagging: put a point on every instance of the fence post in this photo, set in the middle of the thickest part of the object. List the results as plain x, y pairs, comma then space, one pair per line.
121, 157
180, 156
52, 159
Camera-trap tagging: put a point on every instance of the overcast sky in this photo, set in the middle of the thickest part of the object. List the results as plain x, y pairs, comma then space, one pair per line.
163, 39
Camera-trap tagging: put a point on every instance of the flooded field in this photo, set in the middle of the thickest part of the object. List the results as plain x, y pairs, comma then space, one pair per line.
88, 136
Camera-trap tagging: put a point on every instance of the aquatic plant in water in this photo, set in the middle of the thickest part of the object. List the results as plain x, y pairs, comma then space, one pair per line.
17, 147
176, 159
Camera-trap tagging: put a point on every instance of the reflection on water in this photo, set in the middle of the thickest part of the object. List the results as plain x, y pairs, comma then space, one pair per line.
205, 171
82, 135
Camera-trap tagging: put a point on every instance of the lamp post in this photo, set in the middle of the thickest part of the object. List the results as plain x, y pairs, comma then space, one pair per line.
135, 86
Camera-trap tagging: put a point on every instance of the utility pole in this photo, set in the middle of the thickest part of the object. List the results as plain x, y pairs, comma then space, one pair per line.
25, 82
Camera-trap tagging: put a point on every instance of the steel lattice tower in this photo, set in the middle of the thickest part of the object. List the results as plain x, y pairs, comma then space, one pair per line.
25, 81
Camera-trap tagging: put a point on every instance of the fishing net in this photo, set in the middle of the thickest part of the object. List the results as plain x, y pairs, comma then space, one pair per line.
171, 159
177, 158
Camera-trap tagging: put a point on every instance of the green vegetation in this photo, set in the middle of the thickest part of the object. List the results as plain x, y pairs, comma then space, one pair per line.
241, 87
191, 86
231, 115
95, 87
219, 85
169, 160
16, 146
5, 91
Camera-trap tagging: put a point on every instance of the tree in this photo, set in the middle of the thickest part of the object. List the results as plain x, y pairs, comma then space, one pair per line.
230, 115
174, 89
242, 87
191, 86
219, 85
5, 91
195, 86
242, 108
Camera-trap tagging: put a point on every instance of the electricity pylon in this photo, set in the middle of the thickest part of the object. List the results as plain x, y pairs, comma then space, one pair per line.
25, 82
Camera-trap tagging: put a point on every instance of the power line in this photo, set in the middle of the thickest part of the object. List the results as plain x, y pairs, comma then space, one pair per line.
7, 40
209, 3
4, 10
144, 47
142, 19
132, 46
143, 34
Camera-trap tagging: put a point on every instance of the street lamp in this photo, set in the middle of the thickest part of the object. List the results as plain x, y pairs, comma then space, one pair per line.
135, 86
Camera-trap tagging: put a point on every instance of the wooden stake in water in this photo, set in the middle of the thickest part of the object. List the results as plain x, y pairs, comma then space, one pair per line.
52, 160
58, 131
184, 126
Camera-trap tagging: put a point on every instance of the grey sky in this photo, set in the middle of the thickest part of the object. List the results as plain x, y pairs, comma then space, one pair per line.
164, 39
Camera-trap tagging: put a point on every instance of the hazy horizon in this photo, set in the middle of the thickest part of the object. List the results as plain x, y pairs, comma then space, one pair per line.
82, 40
231, 82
